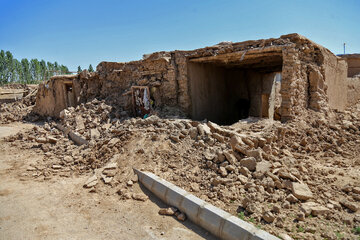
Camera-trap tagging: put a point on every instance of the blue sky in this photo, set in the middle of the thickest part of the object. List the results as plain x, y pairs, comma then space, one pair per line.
87, 32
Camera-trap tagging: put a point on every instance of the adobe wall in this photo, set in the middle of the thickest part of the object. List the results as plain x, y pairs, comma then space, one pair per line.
51, 97
353, 61
353, 91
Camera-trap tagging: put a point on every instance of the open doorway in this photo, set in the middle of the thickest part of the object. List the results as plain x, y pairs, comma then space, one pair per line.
225, 89
69, 94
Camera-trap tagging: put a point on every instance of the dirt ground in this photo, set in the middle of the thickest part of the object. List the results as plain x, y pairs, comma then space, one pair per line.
60, 208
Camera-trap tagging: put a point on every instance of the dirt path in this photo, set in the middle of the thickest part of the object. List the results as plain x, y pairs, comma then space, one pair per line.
61, 208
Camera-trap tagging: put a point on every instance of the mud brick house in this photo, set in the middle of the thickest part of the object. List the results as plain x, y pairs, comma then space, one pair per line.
273, 78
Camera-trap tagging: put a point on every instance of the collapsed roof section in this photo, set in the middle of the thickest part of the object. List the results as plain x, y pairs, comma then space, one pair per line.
275, 78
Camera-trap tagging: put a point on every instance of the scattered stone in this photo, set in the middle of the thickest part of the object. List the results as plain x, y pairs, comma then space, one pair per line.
291, 198
301, 191
91, 182
41, 140
140, 197
94, 133
174, 138
168, 211
300, 216
268, 217
249, 163
55, 166
51, 140
218, 137
194, 187
313, 208
223, 172
350, 205
181, 217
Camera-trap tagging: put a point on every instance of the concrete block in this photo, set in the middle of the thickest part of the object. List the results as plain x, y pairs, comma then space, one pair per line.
160, 188
175, 195
212, 218
232, 231
191, 206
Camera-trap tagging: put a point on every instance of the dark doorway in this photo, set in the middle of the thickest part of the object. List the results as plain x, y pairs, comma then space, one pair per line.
225, 93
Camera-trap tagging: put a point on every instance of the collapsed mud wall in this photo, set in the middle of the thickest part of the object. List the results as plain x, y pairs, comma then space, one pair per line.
52, 97
312, 77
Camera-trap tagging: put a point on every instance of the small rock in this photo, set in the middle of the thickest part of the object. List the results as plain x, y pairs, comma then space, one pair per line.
218, 137
350, 205
249, 163
167, 211
284, 236
174, 138
203, 129
244, 171
230, 168
130, 183
106, 179
255, 154
300, 216
51, 139
193, 132
236, 140
313, 208
301, 191
94, 133
181, 217
291, 198
223, 172
68, 159
263, 166
230, 157
139, 197
208, 155
268, 217
112, 165
41, 140
30, 168
92, 181
194, 187
275, 209
55, 166
356, 190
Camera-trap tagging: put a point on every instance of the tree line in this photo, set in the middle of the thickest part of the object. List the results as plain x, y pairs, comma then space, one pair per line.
25, 71
90, 69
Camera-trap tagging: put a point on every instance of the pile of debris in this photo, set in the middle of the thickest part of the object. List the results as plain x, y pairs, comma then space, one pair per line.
285, 178
20, 109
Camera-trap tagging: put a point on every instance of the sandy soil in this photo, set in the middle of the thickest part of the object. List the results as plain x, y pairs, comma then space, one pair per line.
61, 208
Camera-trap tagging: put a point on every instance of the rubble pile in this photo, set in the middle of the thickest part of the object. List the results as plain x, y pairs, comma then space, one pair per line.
21, 109
300, 178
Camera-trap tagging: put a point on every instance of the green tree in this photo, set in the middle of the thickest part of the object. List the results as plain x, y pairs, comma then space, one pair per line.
9, 61
91, 69
79, 69
25, 71
64, 69
2, 67
26, 75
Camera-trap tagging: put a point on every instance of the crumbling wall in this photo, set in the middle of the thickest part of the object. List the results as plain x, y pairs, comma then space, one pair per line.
157, 72
51, 97
312, 77
353, 91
